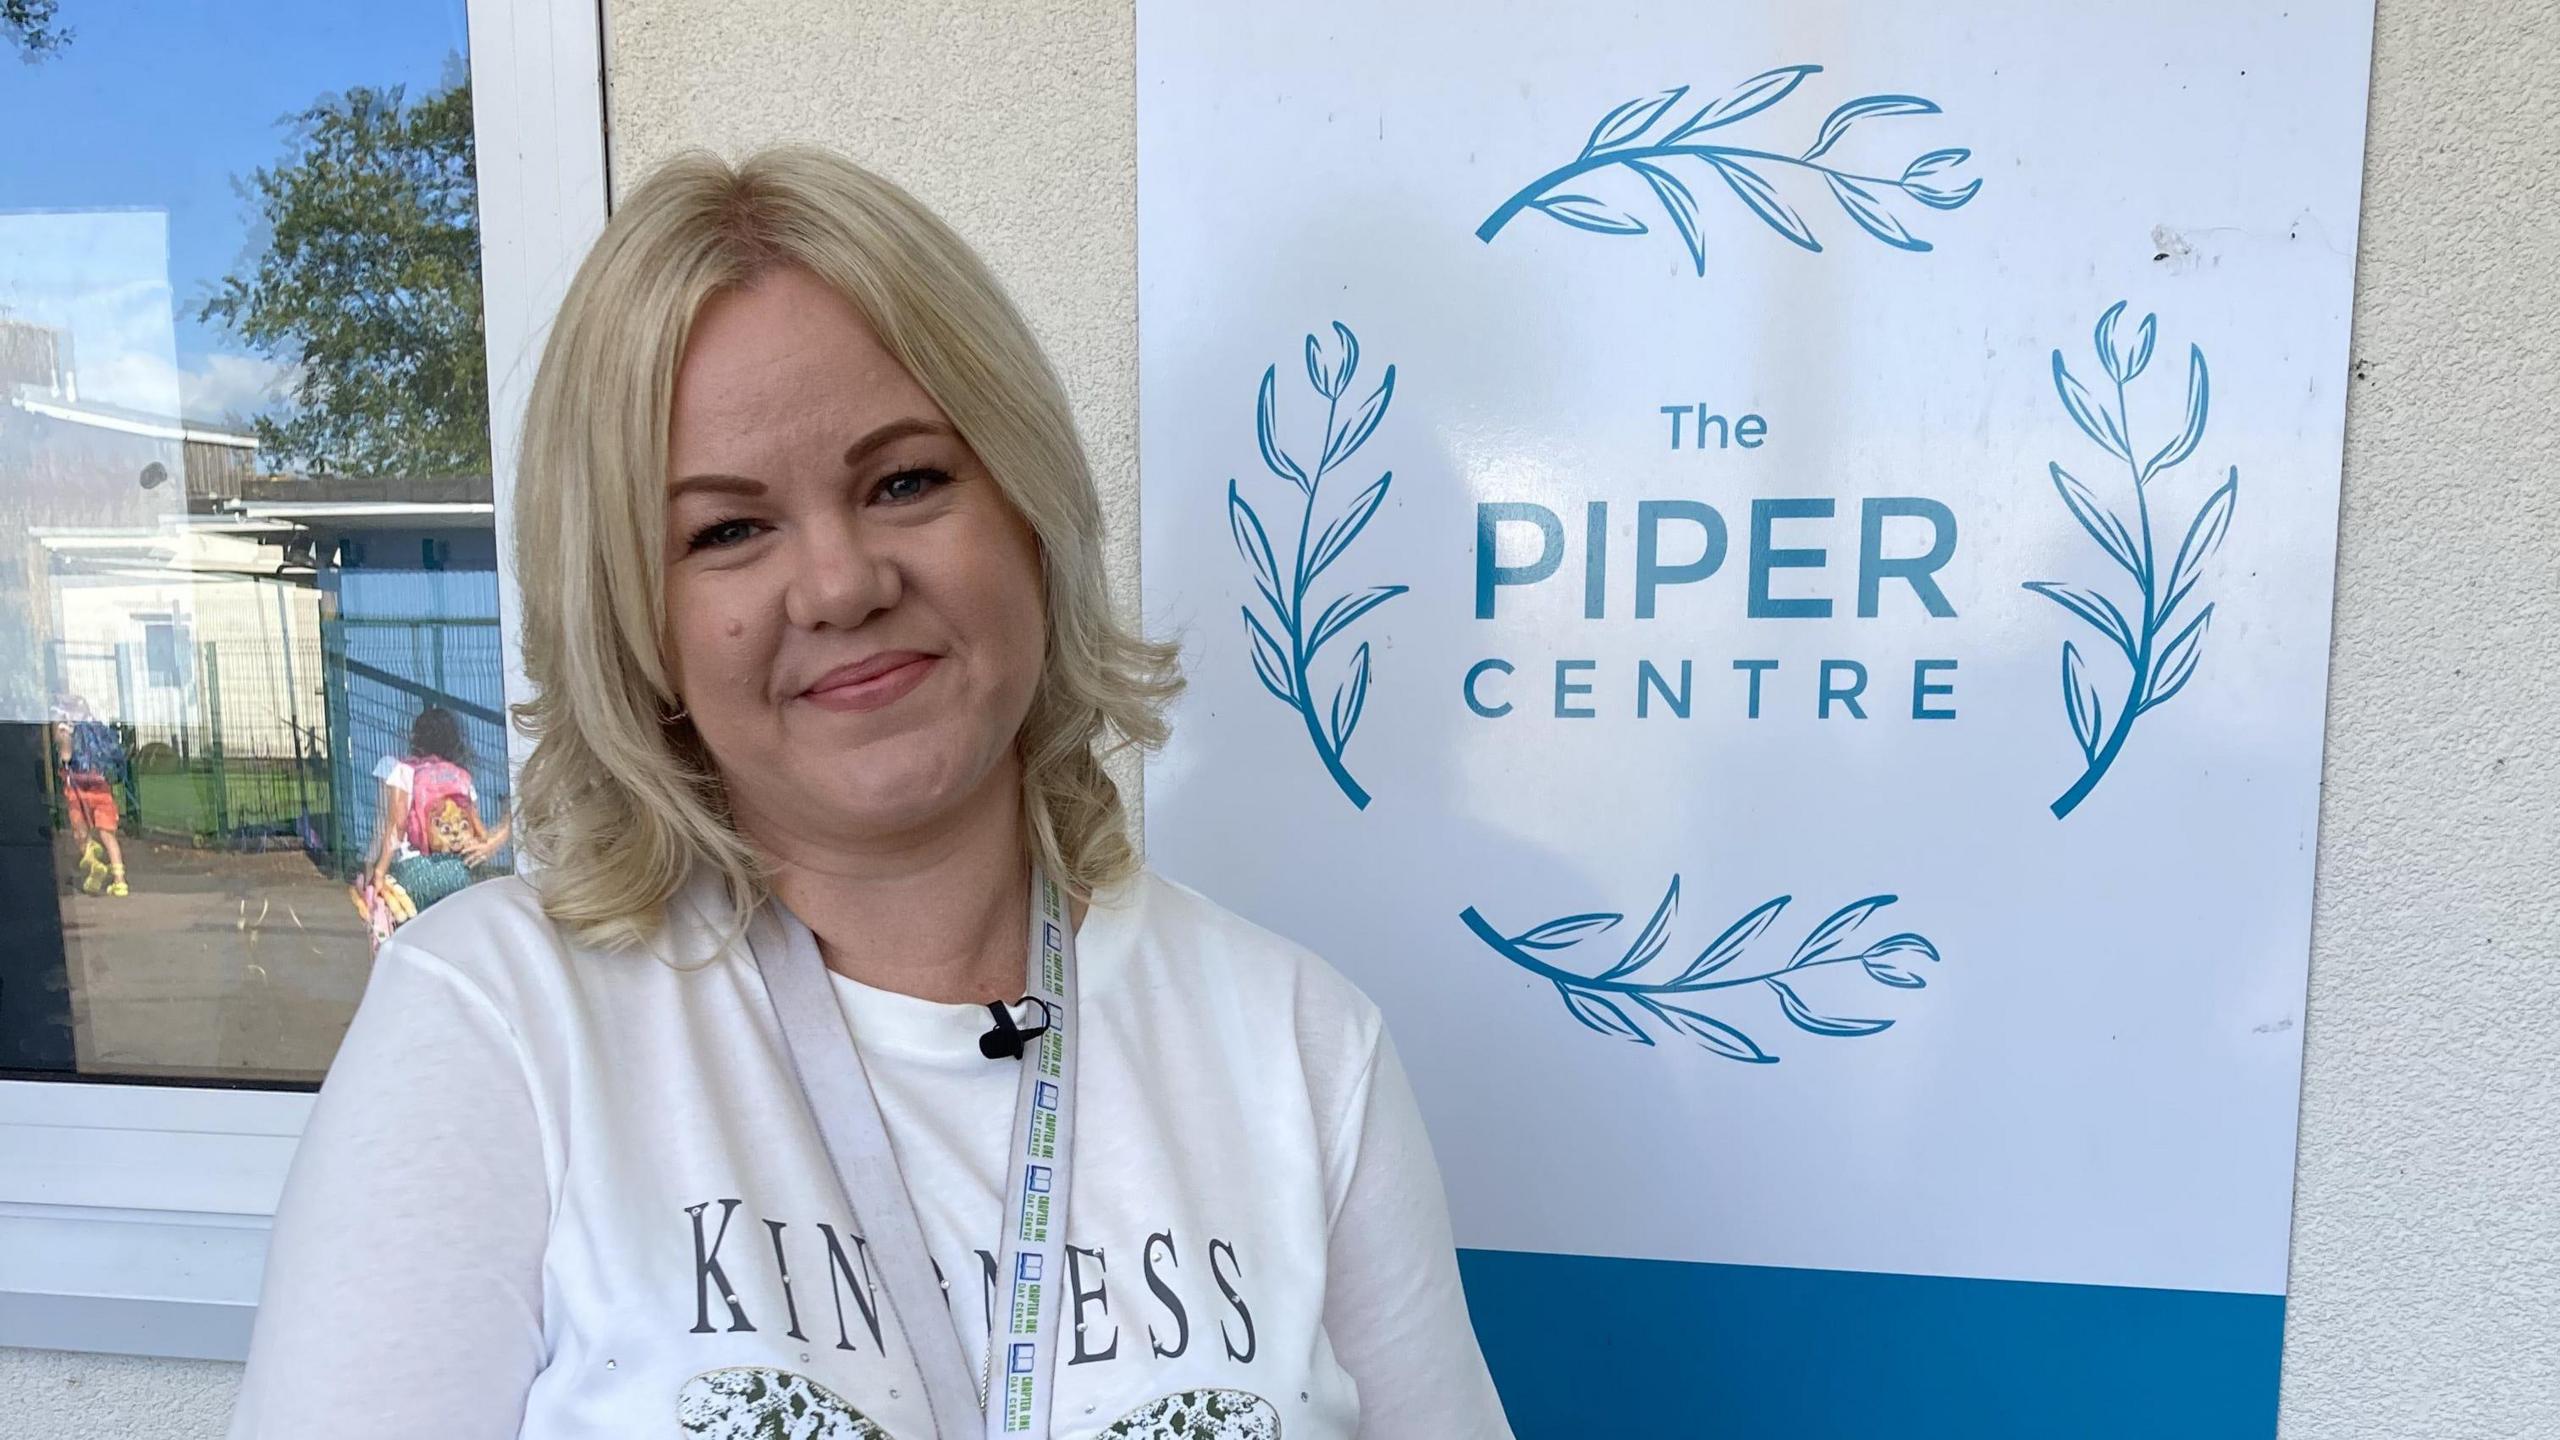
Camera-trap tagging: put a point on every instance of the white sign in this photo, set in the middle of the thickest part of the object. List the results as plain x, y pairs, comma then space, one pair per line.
1761, 581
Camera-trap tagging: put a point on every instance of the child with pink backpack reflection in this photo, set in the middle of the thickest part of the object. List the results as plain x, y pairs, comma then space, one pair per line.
428, 834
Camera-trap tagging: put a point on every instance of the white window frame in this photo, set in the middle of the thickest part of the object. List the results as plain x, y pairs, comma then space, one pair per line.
134, 1218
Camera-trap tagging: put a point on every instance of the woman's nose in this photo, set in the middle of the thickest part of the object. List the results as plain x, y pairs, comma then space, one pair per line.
839, 578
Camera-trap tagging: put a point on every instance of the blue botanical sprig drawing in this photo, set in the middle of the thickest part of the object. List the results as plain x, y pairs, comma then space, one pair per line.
1285, 648
2158, 670
1602, 1001
1634, 136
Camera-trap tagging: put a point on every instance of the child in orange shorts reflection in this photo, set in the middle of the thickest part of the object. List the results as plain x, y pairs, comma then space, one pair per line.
91, 753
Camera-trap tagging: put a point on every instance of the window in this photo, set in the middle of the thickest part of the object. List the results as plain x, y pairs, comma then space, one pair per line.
164, 651
253, 626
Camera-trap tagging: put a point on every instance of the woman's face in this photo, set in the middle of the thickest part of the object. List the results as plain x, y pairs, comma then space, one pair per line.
854, 611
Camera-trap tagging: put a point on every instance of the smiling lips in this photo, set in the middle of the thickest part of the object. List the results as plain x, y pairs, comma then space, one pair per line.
878, 681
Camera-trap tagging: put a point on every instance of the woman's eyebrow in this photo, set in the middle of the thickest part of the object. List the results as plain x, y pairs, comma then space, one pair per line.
854, 455
724, 484
898, 429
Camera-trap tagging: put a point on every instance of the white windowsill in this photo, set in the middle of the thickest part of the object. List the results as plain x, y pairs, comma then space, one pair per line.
134, 1218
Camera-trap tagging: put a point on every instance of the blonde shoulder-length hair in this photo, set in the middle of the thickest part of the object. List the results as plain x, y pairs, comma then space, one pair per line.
618, 804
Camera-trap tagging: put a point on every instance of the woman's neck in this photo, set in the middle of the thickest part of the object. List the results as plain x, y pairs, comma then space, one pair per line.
941, 914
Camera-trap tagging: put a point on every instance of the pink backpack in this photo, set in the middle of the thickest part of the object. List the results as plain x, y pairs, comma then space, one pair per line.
432, 782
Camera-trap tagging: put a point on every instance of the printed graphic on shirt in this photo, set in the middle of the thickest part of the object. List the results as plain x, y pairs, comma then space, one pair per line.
751, 1402
1200, 1415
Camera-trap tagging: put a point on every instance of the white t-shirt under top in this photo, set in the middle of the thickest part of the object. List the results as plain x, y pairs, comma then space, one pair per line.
560, 1192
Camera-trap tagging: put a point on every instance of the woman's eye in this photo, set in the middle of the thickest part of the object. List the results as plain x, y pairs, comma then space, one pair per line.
718, 533
911, 484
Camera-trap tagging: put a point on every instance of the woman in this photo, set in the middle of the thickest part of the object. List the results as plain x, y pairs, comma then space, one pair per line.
427, 833
712, 1127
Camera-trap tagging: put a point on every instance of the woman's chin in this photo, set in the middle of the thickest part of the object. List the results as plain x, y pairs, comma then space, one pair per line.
891, 793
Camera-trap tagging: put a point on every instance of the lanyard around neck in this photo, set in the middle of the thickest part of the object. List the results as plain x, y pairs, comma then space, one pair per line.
1022, 1353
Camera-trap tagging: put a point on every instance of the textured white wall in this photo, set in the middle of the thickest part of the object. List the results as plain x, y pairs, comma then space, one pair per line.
2426, 1242
2426, 1282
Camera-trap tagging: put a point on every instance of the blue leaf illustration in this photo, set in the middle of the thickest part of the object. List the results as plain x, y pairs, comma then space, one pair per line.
1270, 662
1805, 1019
1832, 931
2106, 344
1933, 163
1337, 537
2096, 423
1630, 120
1757, 193
1339, 615
1891, 974
1565, 933
1254, 544
1601, 1015
1748, 99
1938, 198
1708, 1031
1657, 931
1266, 425
1862, 108
1348, 699
2098, 520
1284, 645
1869, 212
1632, 136
2080, 698
2141, 358
1905, 943
2091, 606
1736, 938
1352, 436
2177, 663
1584, 213
2203, 537
1602, 1001
1680, 205
2185, 445
2157, 671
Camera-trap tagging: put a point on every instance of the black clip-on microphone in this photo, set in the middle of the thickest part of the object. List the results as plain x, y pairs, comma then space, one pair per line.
1007, 1040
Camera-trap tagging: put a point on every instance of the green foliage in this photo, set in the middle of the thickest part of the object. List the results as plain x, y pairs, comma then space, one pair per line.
370, 284
29, 26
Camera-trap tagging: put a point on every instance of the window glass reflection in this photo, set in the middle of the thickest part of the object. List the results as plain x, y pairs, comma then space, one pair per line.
251, 707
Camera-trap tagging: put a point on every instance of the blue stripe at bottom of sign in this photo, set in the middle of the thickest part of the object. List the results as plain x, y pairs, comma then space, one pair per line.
1585, 1347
